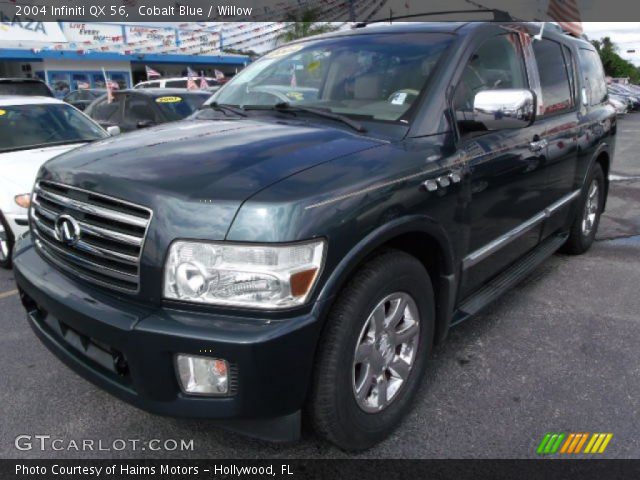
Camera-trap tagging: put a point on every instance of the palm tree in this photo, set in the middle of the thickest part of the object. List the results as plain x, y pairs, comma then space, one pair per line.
304, 24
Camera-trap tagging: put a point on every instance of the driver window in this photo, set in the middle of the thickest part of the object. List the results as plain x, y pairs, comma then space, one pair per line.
139, 110
497, 64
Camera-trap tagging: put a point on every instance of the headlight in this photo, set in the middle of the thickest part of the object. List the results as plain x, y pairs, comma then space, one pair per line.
258, 276
23, 200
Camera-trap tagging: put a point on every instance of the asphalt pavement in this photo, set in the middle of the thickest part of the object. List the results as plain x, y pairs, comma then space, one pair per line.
557, 354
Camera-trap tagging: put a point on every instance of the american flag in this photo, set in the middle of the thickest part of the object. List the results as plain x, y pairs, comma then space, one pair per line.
567, 14
203, 82
191, 83
151, 73
521, 36
109, 84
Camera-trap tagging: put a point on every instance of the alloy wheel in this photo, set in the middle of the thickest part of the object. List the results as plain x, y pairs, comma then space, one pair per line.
591, 208
385, 352
4, 244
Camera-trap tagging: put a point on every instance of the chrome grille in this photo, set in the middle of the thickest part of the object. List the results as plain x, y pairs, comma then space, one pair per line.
111, 236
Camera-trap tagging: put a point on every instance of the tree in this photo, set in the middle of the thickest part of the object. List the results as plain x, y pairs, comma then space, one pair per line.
304, 25
614, 65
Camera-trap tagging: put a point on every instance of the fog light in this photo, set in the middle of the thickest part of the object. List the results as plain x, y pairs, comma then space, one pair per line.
202, 375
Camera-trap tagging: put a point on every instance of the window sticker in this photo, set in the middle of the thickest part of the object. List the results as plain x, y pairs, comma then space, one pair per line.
313, 66
399, 98
297, 96
168, 99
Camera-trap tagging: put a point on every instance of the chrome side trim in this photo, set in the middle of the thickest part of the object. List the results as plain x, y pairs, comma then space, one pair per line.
364, 190
489, 249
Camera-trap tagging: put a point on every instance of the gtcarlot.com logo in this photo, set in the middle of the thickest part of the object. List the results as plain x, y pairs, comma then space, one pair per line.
573, 443
50, 443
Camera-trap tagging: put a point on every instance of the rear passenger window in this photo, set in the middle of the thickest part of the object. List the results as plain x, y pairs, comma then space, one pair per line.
554, 76
497, 64
593, 74
104, 112
176, 84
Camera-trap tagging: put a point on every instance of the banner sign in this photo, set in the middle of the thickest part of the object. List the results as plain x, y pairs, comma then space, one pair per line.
92, 33
24, 29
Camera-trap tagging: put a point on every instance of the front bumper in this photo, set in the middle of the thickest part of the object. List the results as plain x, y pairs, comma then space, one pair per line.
128, 349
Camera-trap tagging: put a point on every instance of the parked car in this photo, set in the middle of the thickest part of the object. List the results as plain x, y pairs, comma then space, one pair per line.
24, 86
621, 91
82, 98
32, 130
267, 258
134, 109
621, 104
174, 82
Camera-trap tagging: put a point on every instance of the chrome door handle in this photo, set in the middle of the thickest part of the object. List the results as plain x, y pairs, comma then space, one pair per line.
538, 146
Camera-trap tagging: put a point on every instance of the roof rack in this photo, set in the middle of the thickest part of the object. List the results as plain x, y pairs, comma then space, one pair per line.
498, 15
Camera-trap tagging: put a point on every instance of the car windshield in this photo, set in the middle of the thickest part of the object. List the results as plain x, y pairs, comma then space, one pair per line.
372, 76
30, 126
25, 88
177, 107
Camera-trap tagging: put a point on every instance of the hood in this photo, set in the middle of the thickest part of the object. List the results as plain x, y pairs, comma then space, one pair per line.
19, 170
22, 165
195, 174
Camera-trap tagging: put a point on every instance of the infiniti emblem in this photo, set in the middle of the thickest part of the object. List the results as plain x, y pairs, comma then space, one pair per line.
67, 230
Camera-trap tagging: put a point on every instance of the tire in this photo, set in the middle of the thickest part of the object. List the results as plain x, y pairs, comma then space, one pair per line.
6, 243
583, 231
333, 409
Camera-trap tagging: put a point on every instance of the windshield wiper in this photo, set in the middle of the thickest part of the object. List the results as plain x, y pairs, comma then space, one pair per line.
288, 108
223, 107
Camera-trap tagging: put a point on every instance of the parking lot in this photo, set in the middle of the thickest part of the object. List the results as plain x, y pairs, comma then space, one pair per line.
557, 354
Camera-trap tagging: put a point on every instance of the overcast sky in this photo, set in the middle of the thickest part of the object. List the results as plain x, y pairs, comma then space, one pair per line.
625, 34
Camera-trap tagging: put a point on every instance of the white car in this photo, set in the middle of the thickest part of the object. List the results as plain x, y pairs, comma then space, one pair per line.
174, 82
32, 131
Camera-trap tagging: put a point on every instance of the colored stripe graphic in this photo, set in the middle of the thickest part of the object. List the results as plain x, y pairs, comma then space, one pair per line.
598, 443
572, 443
550, 443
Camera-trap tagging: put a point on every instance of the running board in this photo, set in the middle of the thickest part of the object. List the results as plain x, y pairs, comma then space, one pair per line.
507, 279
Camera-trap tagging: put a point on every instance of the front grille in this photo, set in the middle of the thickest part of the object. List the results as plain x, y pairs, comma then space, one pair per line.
111, 236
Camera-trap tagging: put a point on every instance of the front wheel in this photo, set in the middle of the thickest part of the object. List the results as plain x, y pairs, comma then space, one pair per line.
6, 243
585, 225
373, 352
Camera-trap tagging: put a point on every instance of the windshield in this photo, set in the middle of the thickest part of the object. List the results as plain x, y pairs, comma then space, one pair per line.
29, 126
177, 107
25, 88
370, 76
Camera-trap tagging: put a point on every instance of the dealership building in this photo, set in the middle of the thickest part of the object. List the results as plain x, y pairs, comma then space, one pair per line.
69, 55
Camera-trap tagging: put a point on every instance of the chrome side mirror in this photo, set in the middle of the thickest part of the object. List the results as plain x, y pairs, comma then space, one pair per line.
113, 130
502, 109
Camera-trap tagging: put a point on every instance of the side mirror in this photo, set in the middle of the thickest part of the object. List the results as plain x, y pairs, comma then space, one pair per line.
145, 123
504, 109
113, 130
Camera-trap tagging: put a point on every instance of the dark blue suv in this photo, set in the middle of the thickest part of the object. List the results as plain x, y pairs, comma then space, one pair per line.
299, 245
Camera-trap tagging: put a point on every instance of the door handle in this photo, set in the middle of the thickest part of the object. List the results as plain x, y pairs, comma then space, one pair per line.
538, 145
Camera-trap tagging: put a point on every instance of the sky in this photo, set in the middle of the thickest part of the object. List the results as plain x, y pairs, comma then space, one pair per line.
625, 34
